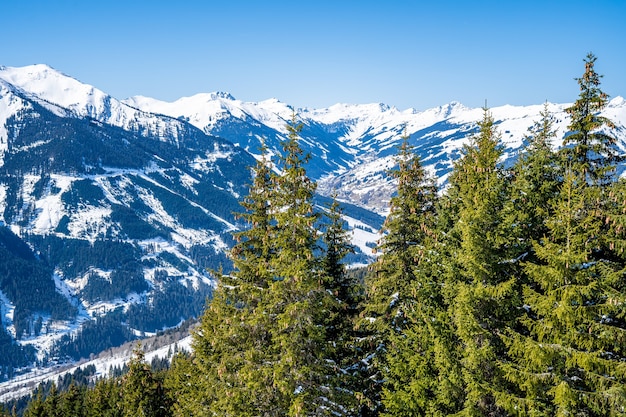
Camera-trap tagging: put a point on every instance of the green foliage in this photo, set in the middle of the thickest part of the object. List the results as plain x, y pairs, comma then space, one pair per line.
262, 346
94, 336
568, 361
142, 392
592, 150
502, 296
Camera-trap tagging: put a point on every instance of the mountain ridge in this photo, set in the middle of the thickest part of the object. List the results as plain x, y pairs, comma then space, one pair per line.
141, 192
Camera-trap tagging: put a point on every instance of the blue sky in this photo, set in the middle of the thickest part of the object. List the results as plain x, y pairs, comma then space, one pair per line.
418, 54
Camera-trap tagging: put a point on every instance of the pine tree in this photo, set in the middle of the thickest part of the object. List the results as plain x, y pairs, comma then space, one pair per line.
392, 288
483, 290
571, 361
343, 308
592, 150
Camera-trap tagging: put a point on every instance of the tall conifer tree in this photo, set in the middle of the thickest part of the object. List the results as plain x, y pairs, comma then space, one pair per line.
229, 372
536, 178
588, 146
484, 291
297, 290
347, 292
391, 287
420, 370
572, 360
261, 346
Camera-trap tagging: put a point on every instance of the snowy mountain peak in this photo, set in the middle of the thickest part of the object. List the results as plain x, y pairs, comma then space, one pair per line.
55, 87
618, 101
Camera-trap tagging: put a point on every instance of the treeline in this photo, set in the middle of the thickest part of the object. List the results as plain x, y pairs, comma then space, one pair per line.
503, 294
82, 394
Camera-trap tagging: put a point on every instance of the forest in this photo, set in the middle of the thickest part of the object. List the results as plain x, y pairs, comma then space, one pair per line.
502, 294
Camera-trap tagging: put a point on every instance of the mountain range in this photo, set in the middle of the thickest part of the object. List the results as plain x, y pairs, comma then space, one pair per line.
113, 212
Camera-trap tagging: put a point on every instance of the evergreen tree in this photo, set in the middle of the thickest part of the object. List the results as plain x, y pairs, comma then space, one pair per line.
483, 289
392, 288
103, 400
591, 149
570, 361
535, 183
297, 299
261, 346
72, 402
230, 372
142, 393
420, 371
347, 292
52, 402
36, 407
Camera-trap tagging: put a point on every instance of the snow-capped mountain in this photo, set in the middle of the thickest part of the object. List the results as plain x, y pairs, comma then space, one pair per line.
116, 209
353, 146
112, 215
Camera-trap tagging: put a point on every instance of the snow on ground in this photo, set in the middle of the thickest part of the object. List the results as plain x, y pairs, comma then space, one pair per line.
90, 222
3, 198
112, 358
363, 236
50, 209
10, 104
6, 313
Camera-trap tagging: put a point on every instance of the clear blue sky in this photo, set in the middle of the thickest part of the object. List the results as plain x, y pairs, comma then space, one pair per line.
418, 54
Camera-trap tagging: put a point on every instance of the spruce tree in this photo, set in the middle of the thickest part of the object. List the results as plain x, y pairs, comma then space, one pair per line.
343, 307
142, 392
536, 178
421, 371
230, 371
72, 403
261, 346
104, 399
52, 402
36, 407
570, 362
297, 297
536, 183
590, 148
483, 290
392, 288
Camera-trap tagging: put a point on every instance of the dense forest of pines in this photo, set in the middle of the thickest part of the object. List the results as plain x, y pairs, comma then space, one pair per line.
503, 294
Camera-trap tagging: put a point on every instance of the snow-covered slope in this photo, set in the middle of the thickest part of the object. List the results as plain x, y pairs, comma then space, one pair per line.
45, 84
112, 215
121, 212
353, 146
84, 173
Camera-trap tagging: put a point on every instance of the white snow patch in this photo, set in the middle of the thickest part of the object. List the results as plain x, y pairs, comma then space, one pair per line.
89, 222
7, 309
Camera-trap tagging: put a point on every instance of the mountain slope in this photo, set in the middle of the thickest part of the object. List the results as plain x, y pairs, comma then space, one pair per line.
125, 205
353, 146
115, 225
